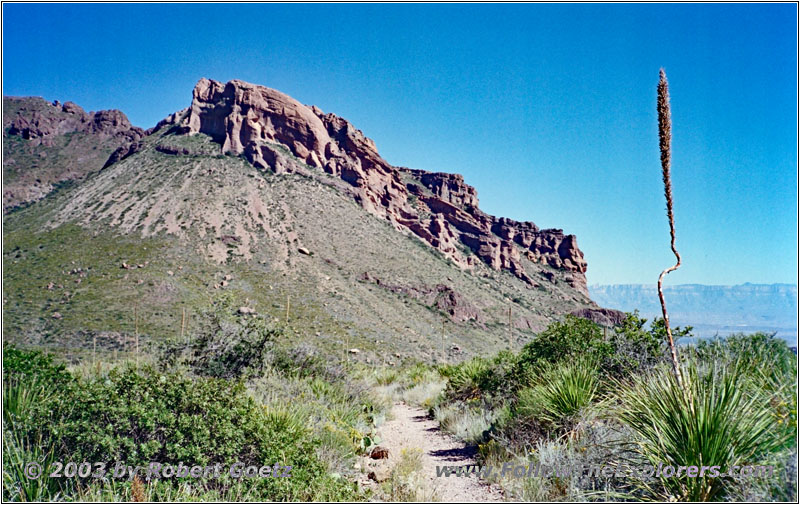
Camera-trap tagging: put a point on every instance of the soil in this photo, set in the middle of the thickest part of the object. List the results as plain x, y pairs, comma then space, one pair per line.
412, 428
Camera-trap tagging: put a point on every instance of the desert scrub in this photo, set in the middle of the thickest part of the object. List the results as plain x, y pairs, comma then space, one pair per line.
416, 384
227, 344
142, 415
715, 417
342, 412
407, 482
560, 396
466, 422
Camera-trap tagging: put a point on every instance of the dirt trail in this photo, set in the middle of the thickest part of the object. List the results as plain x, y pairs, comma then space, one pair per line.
410, 428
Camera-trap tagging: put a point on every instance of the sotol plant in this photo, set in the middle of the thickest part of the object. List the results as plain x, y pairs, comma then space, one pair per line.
717, 417
665, 140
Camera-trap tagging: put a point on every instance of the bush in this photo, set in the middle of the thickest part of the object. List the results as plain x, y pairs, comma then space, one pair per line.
140, 416
760, 354
626, 349
228, 345
718, 418
481, 378
468, 378
561, 395
467, 423
18, 363
573, 338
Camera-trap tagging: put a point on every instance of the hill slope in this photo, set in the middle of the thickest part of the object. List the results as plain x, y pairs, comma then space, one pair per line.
251, 194
46, 144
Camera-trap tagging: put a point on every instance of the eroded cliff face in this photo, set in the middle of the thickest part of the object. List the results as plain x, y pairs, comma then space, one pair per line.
47, 143
41, 126
265, 125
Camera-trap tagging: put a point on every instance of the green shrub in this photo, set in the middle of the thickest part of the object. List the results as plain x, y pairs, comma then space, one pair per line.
574, 337
760, 354
620, 351
140, 416
560, 395
478, 377
637, 349
468, 378
33, 363
228, 344
719, 418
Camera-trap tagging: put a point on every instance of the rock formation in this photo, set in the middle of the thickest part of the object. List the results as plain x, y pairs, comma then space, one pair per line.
266, 126
56, 143
42, 126
603, 317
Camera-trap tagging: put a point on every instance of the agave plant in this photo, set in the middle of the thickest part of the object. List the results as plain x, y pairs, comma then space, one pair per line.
716, 418
561, 394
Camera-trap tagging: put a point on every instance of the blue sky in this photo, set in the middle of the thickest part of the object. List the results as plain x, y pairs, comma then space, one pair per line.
548, 110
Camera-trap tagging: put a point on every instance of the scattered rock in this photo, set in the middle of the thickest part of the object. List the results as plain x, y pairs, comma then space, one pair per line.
379, 452
354, 351
380, 473
170, 273
246, 310
303, 250
57, 315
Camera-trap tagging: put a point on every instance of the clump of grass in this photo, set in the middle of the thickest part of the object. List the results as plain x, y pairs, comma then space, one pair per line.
560, 395
407, 482
468, 379
469, 424
386, 377
424, 394
716, 417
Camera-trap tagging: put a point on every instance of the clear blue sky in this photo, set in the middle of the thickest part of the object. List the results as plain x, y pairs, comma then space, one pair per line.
549, 110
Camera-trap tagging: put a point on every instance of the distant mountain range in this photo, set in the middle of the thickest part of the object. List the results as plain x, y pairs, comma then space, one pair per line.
711, 310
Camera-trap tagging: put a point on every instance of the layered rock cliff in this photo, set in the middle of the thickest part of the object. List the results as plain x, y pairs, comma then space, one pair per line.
262, 124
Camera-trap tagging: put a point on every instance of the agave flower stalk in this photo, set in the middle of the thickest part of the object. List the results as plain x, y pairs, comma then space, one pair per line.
665, 141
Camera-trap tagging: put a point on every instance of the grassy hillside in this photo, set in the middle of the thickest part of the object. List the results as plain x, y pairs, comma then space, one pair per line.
145, 244
31, 168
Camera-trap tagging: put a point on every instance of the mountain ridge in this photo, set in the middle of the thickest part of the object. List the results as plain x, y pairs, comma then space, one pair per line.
370, 255
711, 309
247, 119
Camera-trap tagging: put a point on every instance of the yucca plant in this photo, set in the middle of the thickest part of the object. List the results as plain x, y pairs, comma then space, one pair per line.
19, 451
561, 394
665, 146
468, 379
715, 418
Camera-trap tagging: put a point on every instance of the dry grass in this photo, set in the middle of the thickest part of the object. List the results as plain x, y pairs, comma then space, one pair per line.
407, 482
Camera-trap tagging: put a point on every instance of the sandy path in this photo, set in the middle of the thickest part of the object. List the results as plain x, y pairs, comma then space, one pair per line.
411, 427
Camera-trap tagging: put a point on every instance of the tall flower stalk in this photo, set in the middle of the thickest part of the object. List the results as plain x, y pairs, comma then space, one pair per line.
665, 140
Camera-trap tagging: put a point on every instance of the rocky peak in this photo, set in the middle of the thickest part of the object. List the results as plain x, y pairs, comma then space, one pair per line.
264, 125
41, 124
42, 130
